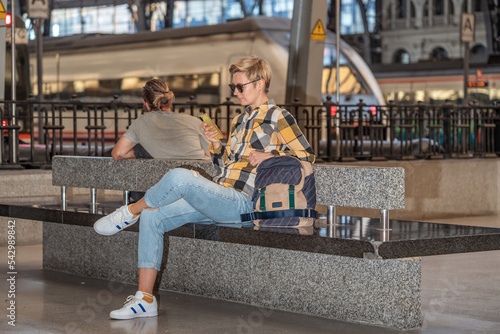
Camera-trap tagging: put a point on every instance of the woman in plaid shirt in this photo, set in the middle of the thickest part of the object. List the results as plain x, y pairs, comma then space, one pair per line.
183, 196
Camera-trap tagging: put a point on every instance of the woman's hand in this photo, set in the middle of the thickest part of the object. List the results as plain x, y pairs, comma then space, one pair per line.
210, 132
256, 157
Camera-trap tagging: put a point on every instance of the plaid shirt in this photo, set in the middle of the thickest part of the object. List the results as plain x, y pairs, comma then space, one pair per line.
268, 128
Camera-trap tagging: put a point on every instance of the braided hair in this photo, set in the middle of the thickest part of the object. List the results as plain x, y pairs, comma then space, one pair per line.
157, 95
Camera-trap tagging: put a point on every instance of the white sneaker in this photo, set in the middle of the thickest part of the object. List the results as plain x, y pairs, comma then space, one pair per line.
136, 307
115, 222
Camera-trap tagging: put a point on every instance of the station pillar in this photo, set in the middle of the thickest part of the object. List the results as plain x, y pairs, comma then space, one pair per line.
307, 44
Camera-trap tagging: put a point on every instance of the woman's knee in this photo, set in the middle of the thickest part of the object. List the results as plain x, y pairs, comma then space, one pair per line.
148, 220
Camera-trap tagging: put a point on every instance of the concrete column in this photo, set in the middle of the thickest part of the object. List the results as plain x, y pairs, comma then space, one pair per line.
305, 60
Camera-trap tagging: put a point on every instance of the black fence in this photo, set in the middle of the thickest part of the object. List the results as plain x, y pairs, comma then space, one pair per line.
41, 130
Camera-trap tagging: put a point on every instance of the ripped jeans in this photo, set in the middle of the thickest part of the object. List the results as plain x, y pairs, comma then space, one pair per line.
183, 196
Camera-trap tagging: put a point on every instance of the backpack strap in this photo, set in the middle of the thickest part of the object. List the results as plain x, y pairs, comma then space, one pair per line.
262, 195
291, 196
310, 213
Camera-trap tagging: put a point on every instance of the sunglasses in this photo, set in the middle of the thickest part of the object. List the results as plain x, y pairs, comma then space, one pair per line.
239, 87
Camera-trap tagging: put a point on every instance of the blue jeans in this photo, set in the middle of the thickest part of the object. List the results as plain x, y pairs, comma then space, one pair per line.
183, 196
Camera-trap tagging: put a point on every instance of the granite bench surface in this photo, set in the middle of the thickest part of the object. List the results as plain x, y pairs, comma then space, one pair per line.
352, 237
350, 186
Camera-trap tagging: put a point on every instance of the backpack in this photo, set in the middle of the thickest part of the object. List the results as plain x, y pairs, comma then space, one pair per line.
285, 193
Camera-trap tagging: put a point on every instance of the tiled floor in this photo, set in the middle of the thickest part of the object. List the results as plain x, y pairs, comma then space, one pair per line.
460, 294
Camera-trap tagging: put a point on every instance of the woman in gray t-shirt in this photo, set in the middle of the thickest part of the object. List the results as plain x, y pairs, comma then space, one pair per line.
161, 132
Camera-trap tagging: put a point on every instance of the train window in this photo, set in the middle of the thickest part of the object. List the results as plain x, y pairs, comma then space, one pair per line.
130, 89
110, 87
130, 83
441, 95
79, 86
65, 90
404, 96
419, 95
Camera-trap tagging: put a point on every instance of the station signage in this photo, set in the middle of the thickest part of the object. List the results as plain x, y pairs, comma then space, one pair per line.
318, 33
477, 84
2, 11
467, 27
38, 9
21, 36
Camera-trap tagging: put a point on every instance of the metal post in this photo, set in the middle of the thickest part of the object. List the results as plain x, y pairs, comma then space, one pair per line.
466, 70
337, 77
331, 219
331, 230
126, 197
39, 73
13, 51
384, 220
63, 197
14, 140
384, 235
332, 215
93, 201
58, 76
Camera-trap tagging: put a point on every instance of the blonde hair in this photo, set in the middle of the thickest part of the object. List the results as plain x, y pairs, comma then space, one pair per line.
157, 95
255, 68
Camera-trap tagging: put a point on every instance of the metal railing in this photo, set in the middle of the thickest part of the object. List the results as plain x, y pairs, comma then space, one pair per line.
336, 132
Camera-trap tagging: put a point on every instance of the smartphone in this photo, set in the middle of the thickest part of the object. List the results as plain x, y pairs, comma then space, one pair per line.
207, 120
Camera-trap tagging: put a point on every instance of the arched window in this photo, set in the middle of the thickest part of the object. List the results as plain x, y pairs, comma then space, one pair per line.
439, 7
401, 56
476, 6
401, 8
439, 53
478, 49
389, 12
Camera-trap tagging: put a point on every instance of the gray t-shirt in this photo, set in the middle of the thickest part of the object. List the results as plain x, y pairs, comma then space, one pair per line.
169, 135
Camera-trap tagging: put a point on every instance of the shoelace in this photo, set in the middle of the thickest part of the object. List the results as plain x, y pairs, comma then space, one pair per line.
131, 300
118, 220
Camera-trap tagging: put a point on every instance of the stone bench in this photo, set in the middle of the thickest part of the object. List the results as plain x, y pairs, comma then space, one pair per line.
354, 270
381, 188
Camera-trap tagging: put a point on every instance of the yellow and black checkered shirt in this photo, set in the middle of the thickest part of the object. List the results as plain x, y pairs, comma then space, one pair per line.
267, 128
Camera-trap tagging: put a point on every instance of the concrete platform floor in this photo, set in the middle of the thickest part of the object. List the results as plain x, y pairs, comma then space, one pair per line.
460, 294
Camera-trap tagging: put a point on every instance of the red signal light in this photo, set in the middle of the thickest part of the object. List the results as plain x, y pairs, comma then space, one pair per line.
373, 109
8, 20
4, 123
333, 110
477, 84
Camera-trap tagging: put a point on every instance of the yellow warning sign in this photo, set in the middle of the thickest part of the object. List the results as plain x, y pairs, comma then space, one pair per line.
2, 11
318, 33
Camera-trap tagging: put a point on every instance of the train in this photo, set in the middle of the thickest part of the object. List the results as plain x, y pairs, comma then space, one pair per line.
193, 60
439, 82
